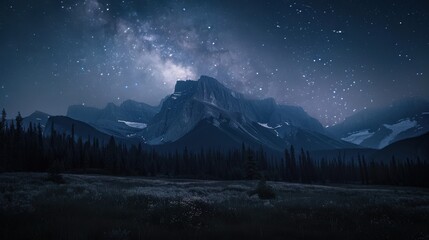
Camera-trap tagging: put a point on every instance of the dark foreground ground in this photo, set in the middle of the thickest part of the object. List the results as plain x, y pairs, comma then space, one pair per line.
100, 207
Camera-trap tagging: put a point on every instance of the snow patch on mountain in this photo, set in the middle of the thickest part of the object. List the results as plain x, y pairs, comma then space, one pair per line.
212, 99
396, 129
425, 113
265, 125
134, 124
277, 133
176, 95
358, 137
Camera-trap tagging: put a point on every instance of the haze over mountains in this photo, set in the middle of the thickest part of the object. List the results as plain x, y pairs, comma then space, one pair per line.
206, 114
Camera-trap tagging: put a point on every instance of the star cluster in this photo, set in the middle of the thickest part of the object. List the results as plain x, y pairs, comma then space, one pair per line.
333, 58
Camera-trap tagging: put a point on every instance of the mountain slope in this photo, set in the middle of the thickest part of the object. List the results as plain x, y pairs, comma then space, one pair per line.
377, 128
64, 125
204, 113
126, 120
206, 101
222, 136
36, 118
412, 148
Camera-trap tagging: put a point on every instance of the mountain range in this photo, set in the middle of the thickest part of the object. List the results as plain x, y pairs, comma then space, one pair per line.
205, 113
377, 128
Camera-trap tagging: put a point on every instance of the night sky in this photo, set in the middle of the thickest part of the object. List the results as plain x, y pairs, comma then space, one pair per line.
332, 58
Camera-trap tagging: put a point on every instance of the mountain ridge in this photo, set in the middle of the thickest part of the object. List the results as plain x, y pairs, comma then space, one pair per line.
206, 105
378, 127
206, 98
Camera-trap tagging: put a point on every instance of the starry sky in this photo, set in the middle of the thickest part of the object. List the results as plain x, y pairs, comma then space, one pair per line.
332, 58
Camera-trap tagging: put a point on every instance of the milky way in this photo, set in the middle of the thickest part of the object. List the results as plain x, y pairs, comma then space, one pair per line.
333, 58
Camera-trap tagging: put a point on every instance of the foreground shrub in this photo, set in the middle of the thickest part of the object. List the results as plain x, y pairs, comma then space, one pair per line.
263, 190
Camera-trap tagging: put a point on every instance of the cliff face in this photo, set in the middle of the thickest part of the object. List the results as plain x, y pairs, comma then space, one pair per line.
208, 101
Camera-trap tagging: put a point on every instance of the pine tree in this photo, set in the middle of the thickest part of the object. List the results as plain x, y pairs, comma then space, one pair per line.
111, 152
185, 167
293, 167
251, 168
288, 163
303, 166
310, 167
177, 166
72, 133
19, 129
3, 121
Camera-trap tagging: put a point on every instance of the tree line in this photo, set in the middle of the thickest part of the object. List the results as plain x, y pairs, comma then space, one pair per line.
30, 149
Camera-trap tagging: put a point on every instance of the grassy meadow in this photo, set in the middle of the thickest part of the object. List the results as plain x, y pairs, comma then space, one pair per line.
33, 206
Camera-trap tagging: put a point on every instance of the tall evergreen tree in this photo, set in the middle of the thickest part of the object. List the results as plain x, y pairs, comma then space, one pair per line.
293, 168
3, 121
19, 127
251, 167
288, 166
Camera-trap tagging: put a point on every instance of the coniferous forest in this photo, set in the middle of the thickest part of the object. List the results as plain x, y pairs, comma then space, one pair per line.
33, 150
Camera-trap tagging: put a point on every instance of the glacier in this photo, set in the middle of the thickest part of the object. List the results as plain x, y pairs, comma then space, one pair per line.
134, 124
397, 128
358, 137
